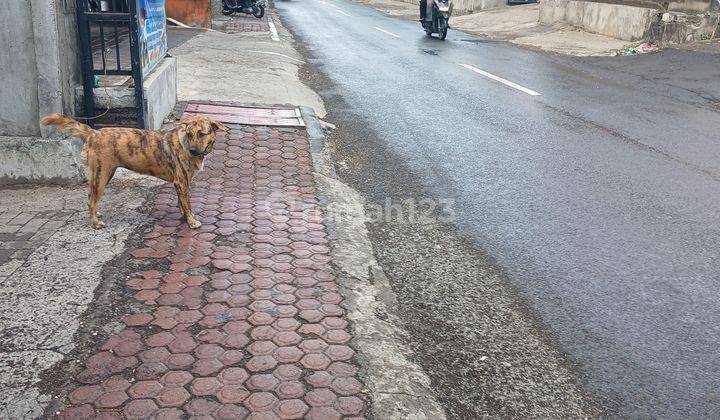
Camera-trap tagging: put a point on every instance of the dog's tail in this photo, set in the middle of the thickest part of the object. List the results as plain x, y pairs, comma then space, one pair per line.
68, 126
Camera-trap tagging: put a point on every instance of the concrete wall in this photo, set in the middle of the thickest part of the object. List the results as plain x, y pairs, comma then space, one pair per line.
18, 90
28, 160
470, 6
463, 7
688, 6
160, 91
69, 51
698, 6
679, 28
55, 41
615, 20
39, 61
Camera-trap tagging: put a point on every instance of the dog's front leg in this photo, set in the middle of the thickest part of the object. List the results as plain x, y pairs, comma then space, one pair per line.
183, 193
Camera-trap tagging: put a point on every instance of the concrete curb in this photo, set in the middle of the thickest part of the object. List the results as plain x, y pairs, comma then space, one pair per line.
48, 161
397, 387
322, 162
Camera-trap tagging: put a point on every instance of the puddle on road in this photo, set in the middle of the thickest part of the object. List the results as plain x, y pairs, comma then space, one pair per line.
481, 41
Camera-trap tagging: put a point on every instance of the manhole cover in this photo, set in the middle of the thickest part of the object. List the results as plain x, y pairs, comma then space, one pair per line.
276, 117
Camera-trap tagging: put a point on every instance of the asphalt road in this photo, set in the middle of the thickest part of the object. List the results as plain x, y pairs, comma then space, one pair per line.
591, 184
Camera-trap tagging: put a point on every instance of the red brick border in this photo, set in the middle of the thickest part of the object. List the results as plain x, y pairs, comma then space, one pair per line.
247, 23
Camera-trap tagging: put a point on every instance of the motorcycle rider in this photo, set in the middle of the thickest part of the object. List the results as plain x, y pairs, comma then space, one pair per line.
435, 20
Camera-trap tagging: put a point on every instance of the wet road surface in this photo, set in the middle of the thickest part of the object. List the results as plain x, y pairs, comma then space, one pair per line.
592, 183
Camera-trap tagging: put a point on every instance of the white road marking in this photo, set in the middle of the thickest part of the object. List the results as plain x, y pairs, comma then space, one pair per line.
386, 32
273, 53
337, 9
273, 31
501, 80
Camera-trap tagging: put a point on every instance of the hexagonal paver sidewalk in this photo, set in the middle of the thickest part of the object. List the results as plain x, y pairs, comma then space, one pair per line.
246, 321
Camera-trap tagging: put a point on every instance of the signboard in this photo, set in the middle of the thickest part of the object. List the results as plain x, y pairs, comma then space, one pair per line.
152, 34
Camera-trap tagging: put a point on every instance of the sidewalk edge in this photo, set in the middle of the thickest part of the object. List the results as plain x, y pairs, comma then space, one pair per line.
397, 388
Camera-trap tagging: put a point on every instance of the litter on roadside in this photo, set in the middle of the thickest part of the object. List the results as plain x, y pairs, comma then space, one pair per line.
634, 49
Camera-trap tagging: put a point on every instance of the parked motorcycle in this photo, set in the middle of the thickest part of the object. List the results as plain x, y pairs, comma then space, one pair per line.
437, 21
249, 7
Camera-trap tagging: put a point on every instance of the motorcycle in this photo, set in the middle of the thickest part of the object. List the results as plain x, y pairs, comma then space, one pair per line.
439, 18
249, 7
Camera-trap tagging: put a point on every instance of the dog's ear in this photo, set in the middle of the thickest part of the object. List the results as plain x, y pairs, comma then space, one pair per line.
218, 126
185, 123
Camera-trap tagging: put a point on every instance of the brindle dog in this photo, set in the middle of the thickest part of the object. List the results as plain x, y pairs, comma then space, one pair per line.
171, 155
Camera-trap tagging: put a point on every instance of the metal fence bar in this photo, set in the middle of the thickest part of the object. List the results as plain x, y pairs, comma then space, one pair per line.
102, 46
136, 63
114, 73
108, 16
86, 60
117, 48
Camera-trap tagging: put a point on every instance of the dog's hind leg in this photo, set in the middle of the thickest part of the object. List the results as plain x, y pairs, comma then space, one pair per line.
99, 175
109, 178
183, 193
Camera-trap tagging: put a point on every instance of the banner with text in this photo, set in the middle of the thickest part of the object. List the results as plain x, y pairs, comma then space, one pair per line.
152, 34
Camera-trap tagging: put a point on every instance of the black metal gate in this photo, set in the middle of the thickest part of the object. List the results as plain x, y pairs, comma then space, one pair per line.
109, 47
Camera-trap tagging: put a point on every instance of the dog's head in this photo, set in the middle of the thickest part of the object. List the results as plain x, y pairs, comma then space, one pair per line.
200, 134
